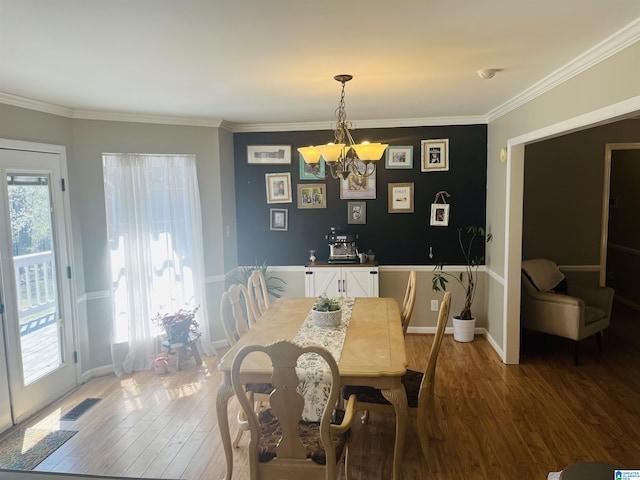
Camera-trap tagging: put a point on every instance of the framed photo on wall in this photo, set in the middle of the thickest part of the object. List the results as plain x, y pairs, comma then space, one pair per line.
357, 187
312, 195
399, 157
357, 213
278, 187
279, 219
269, 154
435, 155
401, 197
311, 171
439, 215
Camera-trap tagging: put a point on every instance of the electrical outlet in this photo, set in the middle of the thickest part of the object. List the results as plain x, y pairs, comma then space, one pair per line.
434, 305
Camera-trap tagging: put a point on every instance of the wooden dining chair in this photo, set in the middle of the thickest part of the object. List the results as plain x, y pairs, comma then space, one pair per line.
409, 301
258, 294
418, 385
237, 318
235, 312
282, 445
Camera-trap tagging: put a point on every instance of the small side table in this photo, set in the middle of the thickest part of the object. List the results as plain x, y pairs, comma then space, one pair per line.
182, 352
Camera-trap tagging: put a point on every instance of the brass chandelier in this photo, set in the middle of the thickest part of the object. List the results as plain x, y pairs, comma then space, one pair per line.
344, 156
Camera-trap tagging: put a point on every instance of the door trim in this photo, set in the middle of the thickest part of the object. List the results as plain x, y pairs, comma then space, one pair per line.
70, 303
606, 193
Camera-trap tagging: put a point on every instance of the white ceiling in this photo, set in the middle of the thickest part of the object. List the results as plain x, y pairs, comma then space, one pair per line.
251, 62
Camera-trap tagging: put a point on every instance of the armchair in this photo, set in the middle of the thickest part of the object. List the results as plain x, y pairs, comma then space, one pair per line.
582, 312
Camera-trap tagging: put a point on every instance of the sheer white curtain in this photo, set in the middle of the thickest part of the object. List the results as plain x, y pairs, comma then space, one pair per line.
154, 226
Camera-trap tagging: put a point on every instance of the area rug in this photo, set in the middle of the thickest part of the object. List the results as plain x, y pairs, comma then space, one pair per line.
79, 409
24, 449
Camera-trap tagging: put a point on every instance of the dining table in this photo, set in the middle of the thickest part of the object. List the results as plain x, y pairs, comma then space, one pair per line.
373, 354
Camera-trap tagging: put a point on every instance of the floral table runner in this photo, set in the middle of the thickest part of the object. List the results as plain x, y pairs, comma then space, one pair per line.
313, 371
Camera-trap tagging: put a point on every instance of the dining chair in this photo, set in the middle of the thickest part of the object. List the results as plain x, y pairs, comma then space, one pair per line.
258, 294
282, 445
419, 387
235, 312
237, 318
409, 301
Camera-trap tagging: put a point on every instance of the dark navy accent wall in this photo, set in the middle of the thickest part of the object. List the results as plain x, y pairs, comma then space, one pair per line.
396, 238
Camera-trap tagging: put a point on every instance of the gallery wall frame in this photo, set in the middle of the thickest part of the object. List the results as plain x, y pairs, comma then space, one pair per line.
399, 157
278, 187
279, 219
435, 155
400, 197
311, 172
439, 215
357, 213
312, 195
269, 154
357, 187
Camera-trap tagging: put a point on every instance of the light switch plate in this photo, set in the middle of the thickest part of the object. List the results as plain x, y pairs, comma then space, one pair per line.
434, 305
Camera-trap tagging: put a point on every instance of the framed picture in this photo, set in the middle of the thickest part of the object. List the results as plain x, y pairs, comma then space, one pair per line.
278, 187
313, 171
399, 157
269, 154
279, 219
356, 187
439, 214
435, 155
357, 213
312, 195
401, 197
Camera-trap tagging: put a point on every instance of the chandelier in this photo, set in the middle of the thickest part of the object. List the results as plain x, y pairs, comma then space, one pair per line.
343, 156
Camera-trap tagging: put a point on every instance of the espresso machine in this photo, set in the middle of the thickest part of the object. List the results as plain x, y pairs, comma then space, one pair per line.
342, 246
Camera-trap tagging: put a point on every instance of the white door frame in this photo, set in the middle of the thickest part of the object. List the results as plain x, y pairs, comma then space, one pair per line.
606, 193
9, 414
513, 210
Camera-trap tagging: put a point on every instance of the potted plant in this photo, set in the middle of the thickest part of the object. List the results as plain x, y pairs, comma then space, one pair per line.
180, 327
463, 323
275, 284
327, 312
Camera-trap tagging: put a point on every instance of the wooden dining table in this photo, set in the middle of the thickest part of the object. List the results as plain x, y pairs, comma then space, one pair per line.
373, 354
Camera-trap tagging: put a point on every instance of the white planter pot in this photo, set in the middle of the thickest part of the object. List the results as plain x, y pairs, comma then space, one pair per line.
327, 319
463, 330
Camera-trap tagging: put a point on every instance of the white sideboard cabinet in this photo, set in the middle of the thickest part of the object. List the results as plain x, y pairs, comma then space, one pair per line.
359, 280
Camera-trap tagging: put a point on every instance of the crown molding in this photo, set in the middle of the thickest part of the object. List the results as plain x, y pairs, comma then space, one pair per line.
607, 48
358, 124
37, 105
143, 118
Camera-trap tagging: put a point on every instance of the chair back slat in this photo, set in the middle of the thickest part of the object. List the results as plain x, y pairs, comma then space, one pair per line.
235, 312
409, 301
258, 294
429, 373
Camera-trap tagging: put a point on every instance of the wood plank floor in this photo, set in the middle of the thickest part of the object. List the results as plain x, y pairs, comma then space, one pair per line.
500, 422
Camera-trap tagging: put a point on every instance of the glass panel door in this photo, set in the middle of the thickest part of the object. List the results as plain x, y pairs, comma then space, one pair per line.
35, 289
41, 349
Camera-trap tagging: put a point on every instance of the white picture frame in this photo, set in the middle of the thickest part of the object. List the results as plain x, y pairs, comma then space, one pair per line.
269, 154
278, 187
439, 215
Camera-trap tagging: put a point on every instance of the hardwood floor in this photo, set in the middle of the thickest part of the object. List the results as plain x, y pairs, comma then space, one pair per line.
500, 422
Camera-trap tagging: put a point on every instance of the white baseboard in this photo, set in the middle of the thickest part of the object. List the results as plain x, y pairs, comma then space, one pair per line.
449, 331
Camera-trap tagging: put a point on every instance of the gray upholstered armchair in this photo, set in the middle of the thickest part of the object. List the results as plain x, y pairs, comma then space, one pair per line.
548, 306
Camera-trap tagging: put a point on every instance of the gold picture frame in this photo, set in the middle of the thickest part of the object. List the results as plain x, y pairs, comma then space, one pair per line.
401, 197
312, 195
435, 155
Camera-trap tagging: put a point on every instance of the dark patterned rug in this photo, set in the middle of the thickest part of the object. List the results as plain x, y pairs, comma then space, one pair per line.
79, 409
24, 449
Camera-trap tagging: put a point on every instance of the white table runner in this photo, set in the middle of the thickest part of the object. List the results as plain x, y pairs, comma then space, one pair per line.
313, 371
